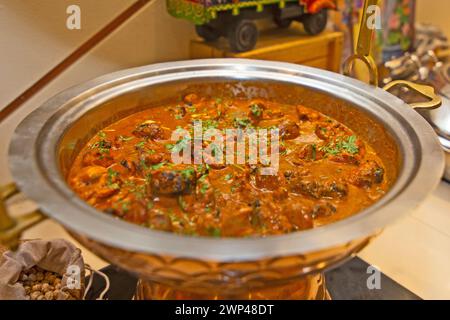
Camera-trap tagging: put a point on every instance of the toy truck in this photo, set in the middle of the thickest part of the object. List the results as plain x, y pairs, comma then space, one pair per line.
235, 19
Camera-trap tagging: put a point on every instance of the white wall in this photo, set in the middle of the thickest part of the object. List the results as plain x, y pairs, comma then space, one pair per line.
34, 37
435, 12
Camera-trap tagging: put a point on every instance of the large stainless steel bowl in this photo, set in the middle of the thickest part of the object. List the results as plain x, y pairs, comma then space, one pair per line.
46, 142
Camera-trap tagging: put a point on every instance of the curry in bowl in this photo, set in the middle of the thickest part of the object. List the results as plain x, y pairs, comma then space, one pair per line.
326, 172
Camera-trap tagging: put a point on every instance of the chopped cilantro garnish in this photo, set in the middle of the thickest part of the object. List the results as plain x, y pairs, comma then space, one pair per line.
188, 173
143, 164
174, 218
241, 122
129, 183
209, 124
101, 134
256, 110
158, 166
138, 191
182, 203
350, 146
125, 206
110, 179
330, 149
235, 187
114, 186
214, 232
103, 146
336, 147
203, 169
204, 186
140, 145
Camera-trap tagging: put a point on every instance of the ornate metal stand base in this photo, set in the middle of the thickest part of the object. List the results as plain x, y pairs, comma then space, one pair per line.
311, 287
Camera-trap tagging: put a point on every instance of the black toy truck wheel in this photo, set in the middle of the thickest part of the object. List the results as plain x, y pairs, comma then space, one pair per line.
282, 23
207, 32
242, 35
315, 23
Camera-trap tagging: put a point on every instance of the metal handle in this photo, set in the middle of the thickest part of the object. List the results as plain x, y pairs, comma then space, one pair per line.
363, 53
12, 228
427, 91
364, 46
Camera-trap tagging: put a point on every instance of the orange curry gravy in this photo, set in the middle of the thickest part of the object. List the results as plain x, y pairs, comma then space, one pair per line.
326, 172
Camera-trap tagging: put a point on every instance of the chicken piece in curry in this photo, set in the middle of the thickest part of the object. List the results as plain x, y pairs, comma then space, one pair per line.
326, 172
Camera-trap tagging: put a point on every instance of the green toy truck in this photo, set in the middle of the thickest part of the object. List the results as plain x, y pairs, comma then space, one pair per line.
234, 19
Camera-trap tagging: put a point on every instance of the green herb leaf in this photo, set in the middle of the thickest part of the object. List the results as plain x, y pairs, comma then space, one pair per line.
111, 175
103, 146
256, 110
125, 206
350, 146
215, 232
188, 173
158, 166
101, 134
182, 203
336, 147
209, 124
140, 145
204, 186
241, 122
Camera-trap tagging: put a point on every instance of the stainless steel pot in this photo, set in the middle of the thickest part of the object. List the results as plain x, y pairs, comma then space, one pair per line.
46, 142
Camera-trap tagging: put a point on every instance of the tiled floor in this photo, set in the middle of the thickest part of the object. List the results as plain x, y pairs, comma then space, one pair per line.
415, 251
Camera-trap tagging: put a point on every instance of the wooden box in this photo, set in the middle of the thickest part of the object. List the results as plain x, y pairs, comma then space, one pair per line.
289, 45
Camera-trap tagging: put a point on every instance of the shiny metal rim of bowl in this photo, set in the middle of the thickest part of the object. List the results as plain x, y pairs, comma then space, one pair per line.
34, 163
